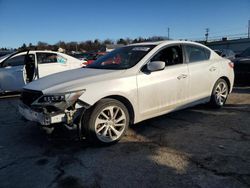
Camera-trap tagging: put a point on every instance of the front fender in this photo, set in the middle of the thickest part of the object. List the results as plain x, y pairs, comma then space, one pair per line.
124, 87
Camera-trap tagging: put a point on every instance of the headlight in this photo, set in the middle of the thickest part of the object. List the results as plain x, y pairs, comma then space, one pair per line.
71, 97
60, 100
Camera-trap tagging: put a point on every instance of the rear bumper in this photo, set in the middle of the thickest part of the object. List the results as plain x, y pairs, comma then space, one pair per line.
40, 117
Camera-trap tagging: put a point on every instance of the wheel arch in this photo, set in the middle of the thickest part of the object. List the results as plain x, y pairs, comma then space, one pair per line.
213, 101
127, 103
227, 81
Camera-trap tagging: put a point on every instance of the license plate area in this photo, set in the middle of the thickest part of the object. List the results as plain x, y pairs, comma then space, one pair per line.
40, 117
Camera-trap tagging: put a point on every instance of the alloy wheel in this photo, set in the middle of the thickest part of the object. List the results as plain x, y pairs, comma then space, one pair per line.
110, 124
221, 92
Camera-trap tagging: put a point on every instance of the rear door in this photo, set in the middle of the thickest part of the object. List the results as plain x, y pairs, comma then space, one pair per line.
12, 73
203, 72
50, 63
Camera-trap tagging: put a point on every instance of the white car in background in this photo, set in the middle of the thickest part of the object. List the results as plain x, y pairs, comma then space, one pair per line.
127, 86
20, 68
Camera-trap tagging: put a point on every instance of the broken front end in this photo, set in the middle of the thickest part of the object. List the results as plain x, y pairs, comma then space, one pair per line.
51, 109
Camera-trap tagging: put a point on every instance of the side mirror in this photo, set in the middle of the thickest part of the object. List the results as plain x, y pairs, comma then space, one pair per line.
155, 66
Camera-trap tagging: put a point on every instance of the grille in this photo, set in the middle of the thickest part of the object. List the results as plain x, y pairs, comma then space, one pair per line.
29, 96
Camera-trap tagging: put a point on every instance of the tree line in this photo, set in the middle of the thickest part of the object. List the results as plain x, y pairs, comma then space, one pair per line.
86, 46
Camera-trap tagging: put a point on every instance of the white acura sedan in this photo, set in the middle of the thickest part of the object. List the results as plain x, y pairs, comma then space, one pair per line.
20, 68
129, 85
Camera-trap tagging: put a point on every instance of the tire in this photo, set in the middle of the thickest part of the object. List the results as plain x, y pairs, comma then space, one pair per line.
106, 122
219, 94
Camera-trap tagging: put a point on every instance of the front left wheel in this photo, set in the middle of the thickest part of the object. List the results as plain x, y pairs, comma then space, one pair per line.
106, 122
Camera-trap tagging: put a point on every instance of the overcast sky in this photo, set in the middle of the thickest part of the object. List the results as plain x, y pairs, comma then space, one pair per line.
30, 21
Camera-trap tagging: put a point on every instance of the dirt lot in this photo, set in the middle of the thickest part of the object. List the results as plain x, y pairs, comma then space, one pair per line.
197, 147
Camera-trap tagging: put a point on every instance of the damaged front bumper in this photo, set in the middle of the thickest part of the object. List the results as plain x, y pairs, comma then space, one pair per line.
41, 117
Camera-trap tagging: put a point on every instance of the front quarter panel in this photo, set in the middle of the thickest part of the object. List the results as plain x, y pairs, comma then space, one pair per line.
125, 87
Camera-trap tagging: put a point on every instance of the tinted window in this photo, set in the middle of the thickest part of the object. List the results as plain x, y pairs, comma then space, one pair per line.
17, 60
196, 53
171, 56
49, 58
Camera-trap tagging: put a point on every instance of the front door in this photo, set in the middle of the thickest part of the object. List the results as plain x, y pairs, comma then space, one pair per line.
12, 74
165, 90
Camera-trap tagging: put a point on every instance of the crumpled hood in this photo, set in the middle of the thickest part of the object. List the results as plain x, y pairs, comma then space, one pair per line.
71, 80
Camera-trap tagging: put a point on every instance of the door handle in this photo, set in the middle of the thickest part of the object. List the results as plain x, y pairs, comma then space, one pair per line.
182, 76
212, 69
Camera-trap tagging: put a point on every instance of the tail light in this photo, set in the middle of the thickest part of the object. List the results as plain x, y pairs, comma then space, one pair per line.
231, 64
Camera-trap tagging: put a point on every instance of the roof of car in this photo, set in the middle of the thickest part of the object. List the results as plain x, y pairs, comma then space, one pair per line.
39, 51
166, 42
22, 52
43, 51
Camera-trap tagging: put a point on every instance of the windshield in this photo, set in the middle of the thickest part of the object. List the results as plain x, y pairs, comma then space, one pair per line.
122, 58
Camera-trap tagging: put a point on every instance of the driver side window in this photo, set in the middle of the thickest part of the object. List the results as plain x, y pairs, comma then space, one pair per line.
170, 55
15, 61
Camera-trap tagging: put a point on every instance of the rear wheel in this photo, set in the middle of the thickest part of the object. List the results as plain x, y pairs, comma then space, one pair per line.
107, 122
219, 93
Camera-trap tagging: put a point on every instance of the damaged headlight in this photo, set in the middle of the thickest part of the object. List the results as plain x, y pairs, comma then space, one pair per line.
61, 101
71, 97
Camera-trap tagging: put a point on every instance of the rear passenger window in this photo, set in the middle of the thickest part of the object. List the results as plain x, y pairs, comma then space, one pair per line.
196, 53
170, 55
50, 58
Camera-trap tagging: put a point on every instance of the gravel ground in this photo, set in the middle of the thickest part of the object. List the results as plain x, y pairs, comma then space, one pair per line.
196, 147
